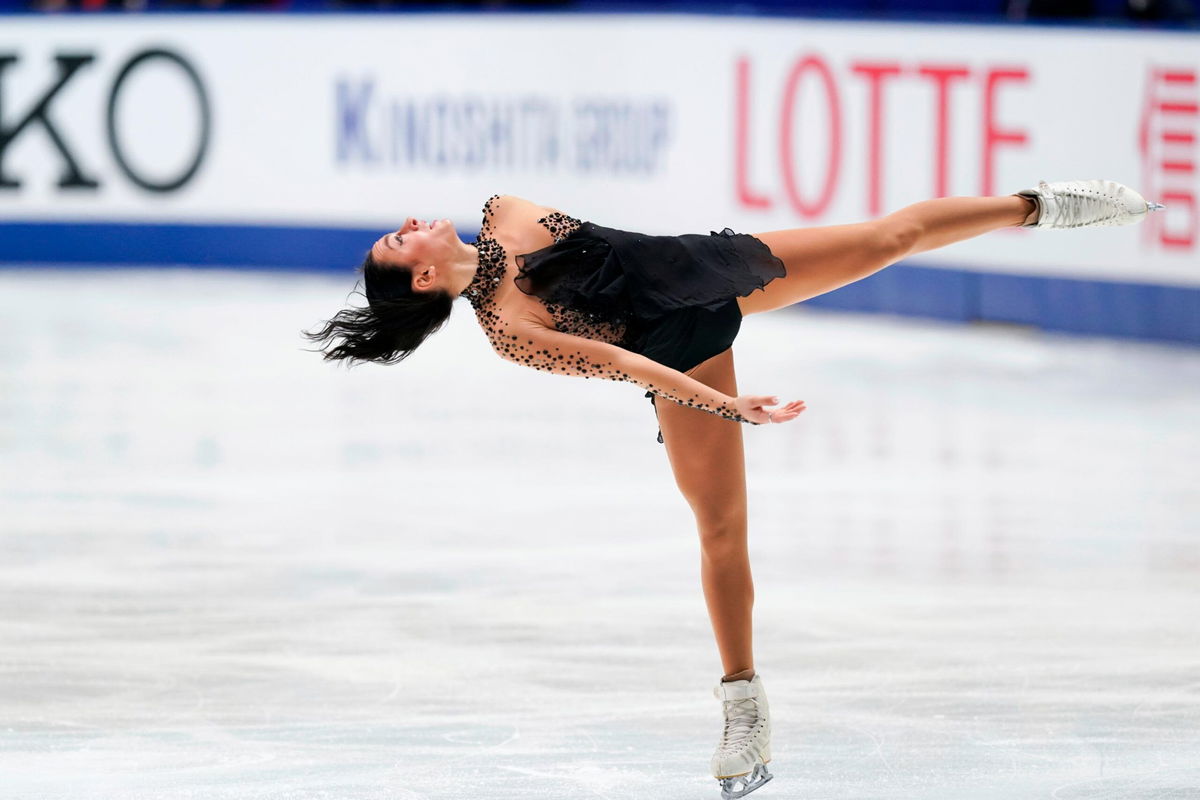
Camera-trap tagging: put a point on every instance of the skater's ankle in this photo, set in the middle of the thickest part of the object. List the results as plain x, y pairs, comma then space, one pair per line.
744, 675
1031, 215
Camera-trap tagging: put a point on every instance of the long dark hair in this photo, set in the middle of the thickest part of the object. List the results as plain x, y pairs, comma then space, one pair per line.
395, 321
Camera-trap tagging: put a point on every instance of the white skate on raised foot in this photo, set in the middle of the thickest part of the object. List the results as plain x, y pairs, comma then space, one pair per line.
740, 763
1085, 204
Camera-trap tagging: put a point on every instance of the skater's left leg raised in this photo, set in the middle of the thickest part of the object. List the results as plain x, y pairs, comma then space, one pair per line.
819, 260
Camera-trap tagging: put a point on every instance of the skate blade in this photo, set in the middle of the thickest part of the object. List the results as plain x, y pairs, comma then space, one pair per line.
1154, 206
742, 785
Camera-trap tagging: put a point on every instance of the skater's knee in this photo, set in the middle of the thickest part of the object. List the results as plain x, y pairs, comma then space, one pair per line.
722, 534
901, 235
898, 235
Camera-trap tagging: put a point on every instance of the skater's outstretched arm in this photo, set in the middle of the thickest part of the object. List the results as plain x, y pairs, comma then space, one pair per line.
549, 350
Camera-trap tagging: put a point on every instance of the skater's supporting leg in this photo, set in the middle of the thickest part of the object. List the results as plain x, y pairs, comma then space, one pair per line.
706, 456
819, 260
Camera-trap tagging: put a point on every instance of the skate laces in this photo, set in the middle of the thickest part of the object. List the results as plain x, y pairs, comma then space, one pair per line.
1075, 207
741, 716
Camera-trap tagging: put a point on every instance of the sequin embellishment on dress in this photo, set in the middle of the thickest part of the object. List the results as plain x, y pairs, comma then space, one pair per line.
583, 342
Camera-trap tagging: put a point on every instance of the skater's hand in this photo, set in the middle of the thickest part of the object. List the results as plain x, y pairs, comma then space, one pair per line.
754, 408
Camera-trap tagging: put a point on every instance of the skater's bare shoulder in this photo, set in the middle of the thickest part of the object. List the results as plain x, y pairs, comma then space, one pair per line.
508, 210
518, 224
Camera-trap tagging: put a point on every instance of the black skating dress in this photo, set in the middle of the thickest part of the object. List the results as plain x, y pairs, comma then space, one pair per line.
671, 299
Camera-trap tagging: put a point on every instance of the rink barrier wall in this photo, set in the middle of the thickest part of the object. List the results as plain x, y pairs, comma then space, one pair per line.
1091, 307
663, 122
290, 141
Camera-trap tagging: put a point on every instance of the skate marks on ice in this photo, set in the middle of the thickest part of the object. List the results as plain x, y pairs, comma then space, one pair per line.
230, 571
586, 779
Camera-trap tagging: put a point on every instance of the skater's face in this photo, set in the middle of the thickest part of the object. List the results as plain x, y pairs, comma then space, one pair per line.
424, 247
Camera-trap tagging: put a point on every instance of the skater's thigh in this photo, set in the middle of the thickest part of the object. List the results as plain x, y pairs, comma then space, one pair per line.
705, 450
819, 260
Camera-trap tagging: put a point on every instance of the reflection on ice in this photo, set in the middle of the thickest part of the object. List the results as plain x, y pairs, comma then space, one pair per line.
230, 570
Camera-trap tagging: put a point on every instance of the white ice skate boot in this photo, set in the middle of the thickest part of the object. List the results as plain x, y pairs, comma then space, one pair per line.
745, 748
1084, 204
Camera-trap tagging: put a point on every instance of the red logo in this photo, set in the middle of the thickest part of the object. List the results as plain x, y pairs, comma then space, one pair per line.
1167, 140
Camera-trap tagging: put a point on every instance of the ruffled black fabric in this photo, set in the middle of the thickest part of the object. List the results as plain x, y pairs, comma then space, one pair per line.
674, 295
615, 273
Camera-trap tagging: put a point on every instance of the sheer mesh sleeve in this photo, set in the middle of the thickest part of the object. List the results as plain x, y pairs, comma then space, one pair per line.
561, 353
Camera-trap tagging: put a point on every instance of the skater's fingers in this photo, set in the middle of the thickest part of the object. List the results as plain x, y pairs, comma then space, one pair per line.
761, 408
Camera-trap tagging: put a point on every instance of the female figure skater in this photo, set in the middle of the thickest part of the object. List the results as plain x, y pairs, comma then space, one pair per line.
576, 298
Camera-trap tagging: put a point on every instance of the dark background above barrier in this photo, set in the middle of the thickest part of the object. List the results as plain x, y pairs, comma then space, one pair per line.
1133, 13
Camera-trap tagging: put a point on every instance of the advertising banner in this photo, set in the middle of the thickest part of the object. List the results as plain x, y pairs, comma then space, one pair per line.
663, 124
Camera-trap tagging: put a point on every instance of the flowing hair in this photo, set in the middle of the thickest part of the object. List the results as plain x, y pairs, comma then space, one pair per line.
392, 325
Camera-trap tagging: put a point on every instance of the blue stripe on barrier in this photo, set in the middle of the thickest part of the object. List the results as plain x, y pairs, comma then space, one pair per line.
1107, 308
125, 244
1102, 308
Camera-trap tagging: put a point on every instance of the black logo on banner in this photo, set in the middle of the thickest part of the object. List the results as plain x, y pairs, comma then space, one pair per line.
74, 175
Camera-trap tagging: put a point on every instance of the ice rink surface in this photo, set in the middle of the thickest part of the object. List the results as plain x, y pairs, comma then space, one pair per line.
231, 570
